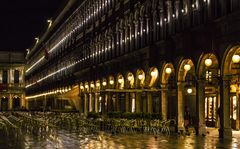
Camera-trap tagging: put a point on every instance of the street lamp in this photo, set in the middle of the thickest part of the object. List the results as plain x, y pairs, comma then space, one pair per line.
140, 76
111, 82
187, 67
236, 58
130, 77
154, 73
168, 70
189, 90
104, 83
208, 62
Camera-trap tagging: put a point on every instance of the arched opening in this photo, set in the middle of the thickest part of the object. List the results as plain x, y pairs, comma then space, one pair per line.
4, 103
168, 94
186, 77
141, 97
16, 103
120, 93
153, 92
112, 95
231, 77
209, 72
131, 106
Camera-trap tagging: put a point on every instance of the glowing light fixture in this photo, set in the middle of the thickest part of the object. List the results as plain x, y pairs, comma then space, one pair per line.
189, 90
236, 58
104, 83
97, 84
120, 80
154, 73
168, 70
208, 62
92, 85
140, 76
130, 77
187, 67
86, 86
111, 82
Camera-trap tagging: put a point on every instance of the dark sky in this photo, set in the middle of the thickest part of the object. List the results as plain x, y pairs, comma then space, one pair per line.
22, 20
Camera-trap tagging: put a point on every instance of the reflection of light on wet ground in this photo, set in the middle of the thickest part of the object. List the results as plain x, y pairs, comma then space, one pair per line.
61, 139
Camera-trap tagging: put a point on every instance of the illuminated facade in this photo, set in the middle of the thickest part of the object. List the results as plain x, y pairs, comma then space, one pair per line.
155, 56
12, 93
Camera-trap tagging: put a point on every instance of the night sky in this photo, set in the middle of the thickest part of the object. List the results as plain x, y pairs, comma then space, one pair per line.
23, 20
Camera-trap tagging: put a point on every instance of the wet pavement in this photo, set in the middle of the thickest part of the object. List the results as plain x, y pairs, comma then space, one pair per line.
62, 139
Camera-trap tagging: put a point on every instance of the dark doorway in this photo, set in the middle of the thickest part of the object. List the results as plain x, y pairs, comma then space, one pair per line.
4, 104
16, 103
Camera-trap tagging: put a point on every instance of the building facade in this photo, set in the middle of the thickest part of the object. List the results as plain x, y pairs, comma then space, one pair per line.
154, 56
12, 74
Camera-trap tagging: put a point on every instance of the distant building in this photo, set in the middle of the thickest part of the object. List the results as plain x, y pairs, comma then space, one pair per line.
12, 94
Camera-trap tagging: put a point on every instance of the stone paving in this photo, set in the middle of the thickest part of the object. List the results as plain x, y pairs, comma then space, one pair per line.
72, 140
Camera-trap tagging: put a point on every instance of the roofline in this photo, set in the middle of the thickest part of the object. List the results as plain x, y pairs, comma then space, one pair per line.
57, 21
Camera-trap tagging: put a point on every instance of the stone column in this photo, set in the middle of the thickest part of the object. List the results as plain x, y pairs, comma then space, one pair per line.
237, 118
225, 130
85, 103
200, 109
149, 102
164, 101
10, 102
127, 97
96, 103
138, 98
180, 106
90, 102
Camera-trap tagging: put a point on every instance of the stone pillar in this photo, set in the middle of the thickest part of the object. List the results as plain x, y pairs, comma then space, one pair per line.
138, 98
96, 102
237, 118
200, 109
149, 102
10, 102
90, 102
164, 103
225, 130
127, 97
85, 103
180, 106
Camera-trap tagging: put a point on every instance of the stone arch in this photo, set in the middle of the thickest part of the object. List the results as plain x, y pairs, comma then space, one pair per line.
140, 78
164, 75
98, 84
104, 83
182, 69
111, 81
152, 77
120, 81
86, 86
130, 79
201, 67
226, 64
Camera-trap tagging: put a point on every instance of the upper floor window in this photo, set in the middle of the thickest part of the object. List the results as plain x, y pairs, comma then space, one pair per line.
5, 77
16, 76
